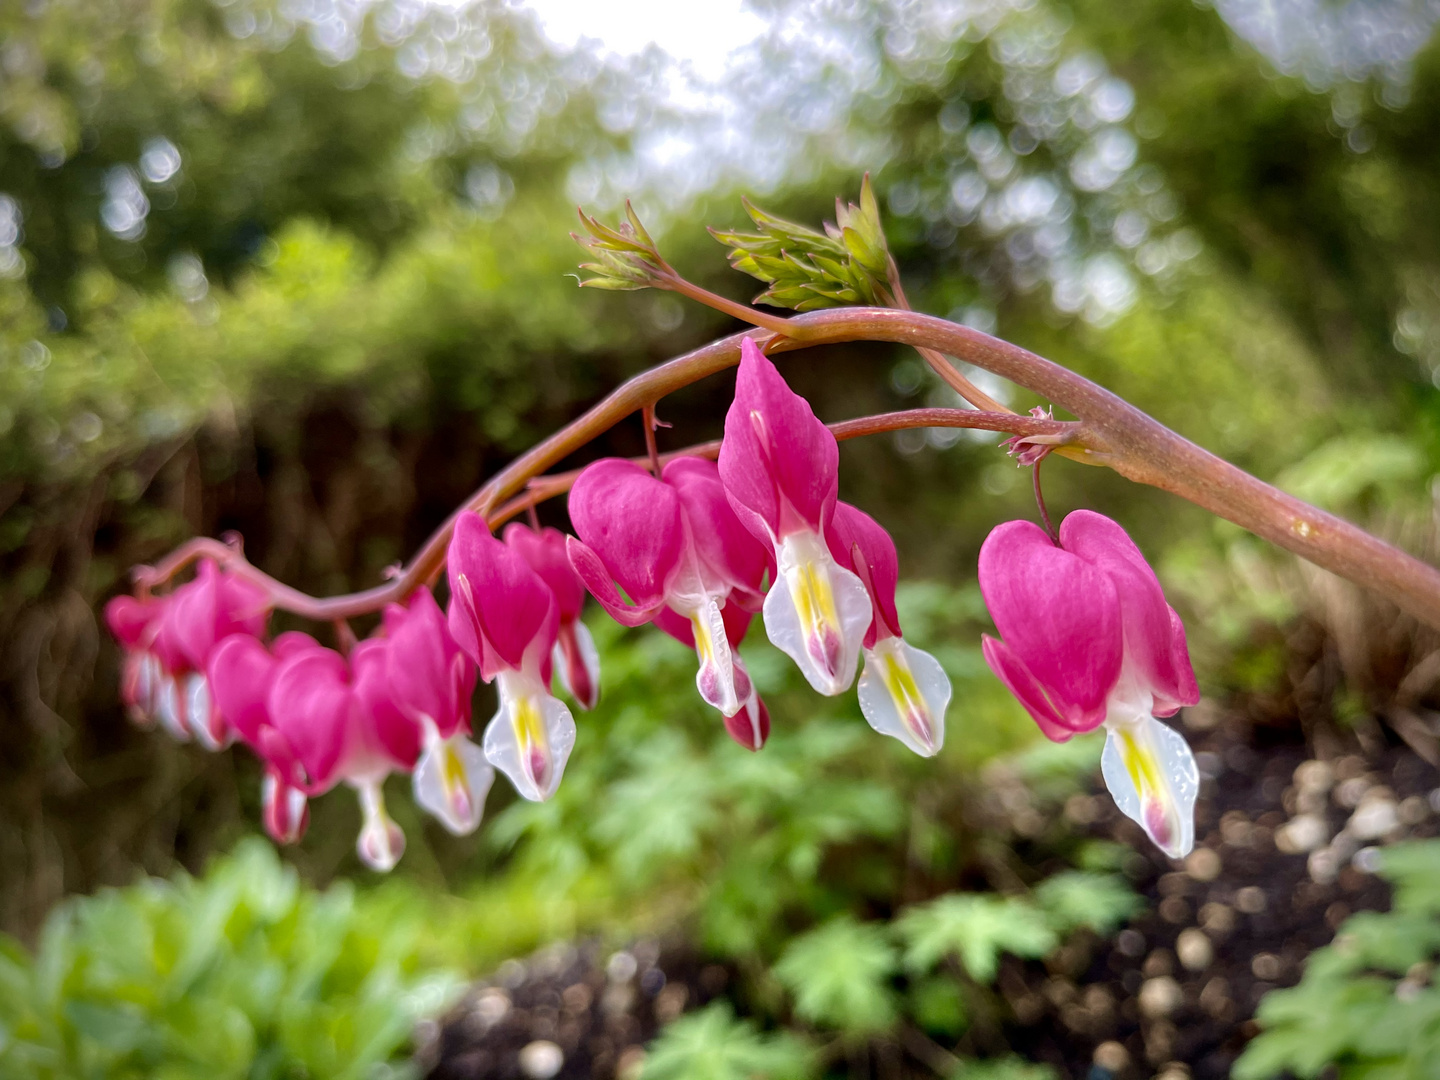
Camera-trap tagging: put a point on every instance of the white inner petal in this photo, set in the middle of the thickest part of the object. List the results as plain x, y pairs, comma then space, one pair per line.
904, 693
817, 613
451, 780
1152, 775
380, 843
530, 737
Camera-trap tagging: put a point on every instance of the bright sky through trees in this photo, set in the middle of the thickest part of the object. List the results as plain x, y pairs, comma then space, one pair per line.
702, 35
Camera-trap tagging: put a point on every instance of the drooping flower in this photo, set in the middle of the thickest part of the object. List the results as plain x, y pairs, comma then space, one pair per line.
317, 720
675, 547
420, 670
780, 468
1086, 638
576, 659
506, 619
338, 733
134, 624
240, 671
168, 641
198, 616
903, 690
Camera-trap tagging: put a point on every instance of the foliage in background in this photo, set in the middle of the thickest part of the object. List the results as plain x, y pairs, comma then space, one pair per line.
1367, 1005
246, 974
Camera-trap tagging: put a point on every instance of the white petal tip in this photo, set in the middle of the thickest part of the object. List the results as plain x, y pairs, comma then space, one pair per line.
451, 782
904, 693
1152, 776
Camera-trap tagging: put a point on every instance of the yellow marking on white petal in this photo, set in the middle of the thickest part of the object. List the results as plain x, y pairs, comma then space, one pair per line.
529, 725
905, 692
814, 600
1140, 764
704, 648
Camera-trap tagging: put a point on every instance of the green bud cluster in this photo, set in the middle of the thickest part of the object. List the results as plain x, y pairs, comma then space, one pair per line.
848, 263
626, 258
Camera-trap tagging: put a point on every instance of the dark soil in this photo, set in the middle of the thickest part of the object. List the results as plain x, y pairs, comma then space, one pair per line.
587, 1010
1174, 993
1284, 853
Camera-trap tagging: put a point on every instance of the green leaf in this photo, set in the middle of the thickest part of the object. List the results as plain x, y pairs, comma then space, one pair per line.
937, 1007
1099, 902
1414, 869
840, 976
712, 1045
975, 928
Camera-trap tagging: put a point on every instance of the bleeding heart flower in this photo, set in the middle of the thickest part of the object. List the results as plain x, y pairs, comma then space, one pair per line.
780, 468
340, 725
676, 548
1088, 639
576, 659
316, 719
168, 642
134, 624
420, 671
903, 690
506, 619
240, 672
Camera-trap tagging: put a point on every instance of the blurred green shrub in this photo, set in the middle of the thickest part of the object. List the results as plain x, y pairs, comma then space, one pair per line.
1367, 1007
242, 974
713, 1045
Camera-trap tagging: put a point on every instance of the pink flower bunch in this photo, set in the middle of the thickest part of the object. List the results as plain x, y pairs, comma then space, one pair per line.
685, 562
400, 702
167, 642
508, 620
689, 550
1087, 639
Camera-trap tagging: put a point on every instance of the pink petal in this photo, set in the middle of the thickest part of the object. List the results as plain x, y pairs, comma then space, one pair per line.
597, 579
192, 617
243, 608
389, 730
780, 465
852, 533
240, 670
1149, 623
545, 552
750, 726
213, 606
422, 664
1186, 690
131, 621
1057, 614
724, 544
511, 608
312, 705
631, 521
676, 625
1011, 671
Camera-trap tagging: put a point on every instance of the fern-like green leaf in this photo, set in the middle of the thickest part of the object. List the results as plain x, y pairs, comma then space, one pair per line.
840, 976
1099, 902
712, 1044
975, 928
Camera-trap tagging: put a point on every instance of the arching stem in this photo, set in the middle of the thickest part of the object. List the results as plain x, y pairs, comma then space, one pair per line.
1109, 432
